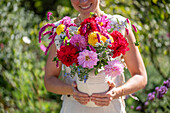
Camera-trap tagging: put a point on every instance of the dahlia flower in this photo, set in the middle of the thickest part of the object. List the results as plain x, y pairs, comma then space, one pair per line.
114, 68
87, 59
79, 41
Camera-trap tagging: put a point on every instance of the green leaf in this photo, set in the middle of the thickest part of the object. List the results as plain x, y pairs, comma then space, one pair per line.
96, 71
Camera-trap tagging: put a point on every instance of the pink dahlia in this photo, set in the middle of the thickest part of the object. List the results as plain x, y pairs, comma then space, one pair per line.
103, 22
114, 68
87, 59
79, 41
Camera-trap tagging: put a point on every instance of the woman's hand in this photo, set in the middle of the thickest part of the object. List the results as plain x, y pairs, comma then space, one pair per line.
82, 98
104, 99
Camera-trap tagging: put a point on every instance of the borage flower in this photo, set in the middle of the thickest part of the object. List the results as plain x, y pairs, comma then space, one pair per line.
79, 41
67, 54
114, 68
119, 45
87, 59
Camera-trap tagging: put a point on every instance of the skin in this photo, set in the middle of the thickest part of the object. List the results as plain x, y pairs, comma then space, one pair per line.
132, 58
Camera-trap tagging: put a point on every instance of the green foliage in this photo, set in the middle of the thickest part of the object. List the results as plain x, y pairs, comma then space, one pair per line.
22, 62
152, 20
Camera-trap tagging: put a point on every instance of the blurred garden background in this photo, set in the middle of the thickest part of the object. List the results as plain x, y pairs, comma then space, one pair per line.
22, 61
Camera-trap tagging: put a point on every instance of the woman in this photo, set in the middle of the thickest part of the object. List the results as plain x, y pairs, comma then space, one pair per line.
109, 101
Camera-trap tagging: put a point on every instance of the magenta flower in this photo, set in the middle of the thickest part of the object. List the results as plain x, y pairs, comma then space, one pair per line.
43, 48
42, 29
103, 22
79, 41
48, 15
87, 59
67, 22
114, 68
127, 31
47, 32
134, 28
127, 20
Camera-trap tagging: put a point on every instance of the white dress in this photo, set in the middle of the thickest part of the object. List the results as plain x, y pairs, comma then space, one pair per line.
70, 105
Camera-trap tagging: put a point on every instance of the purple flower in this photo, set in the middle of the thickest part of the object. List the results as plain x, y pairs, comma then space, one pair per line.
162, 90
98, 37
151, 96
146, 103
42, 29
79, 41
113, 68
168, 35
92, 48
134, 28
48, 32
132, 107
167, 83
138, 108
157, 88
48, 15
43, 48
49, 45
87, 59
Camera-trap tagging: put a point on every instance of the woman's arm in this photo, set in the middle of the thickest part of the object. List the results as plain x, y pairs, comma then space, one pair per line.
54, 85
135, 66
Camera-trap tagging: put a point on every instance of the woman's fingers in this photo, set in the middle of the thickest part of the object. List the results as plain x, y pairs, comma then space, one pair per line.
82, 98
103, 103
106, 99
101, 95
111, 84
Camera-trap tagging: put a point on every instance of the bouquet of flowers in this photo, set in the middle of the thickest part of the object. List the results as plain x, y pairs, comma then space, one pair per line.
94, 45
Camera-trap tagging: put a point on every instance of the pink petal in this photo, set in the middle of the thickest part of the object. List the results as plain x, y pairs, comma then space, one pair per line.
127, 31
134, 28
127, 20
43, 48
48, 15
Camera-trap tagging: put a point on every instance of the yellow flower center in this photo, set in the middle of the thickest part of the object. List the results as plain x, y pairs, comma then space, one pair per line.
87, 58
100, 23
77, 44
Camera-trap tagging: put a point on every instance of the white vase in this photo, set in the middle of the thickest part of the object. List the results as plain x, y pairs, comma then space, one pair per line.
94, 84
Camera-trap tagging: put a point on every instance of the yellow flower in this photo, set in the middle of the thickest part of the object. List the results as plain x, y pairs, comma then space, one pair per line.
100, 23
78, 32
60, 29
111, 38
92, 38
103, 38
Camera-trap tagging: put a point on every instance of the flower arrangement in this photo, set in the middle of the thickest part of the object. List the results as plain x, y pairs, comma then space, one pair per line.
94, 45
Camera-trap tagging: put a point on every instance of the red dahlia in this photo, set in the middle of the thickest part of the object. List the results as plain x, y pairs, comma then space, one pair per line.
67, 54
119, 45
88, 26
